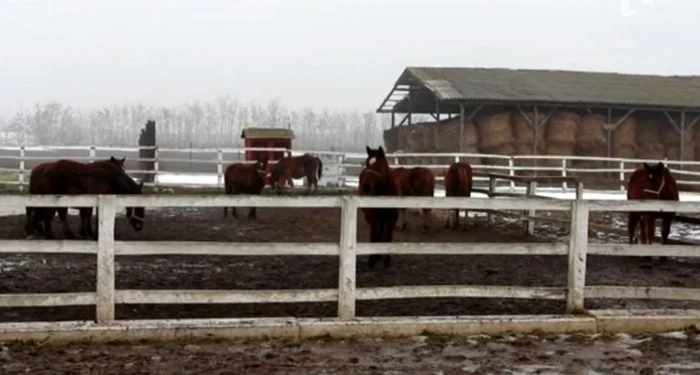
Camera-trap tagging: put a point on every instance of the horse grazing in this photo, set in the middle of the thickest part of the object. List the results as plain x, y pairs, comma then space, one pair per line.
243, 178
296, 167
67, 177
377, 179
415, 182
38, 184
651, 182
458, 183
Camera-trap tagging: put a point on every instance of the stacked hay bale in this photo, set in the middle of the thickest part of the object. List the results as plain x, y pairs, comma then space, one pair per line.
406, 143
495, 135
624, 138
591, 140
447, 140
672, 141
560, 135
391, 139
649, 139
524, 133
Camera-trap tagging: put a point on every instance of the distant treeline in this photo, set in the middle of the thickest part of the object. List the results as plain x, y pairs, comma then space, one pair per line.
215, 123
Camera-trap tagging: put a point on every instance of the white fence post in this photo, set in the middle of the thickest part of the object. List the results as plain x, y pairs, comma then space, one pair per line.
530, 221
22, 155
341, 170
622, 176
348, 259
564, 185
219, 168
578, 244
492, 190
457, 159
92, 154
511, 172
105, 259
155, 166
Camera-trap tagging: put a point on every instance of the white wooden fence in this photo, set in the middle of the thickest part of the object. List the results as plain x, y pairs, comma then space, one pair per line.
336, 164
346, 294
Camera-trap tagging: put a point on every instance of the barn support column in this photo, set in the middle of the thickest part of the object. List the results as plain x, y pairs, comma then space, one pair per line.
393, 118
610, 127
536, 125
410, 106
462, 121
437, 110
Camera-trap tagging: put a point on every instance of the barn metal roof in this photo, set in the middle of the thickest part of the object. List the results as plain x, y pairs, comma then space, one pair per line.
554, 87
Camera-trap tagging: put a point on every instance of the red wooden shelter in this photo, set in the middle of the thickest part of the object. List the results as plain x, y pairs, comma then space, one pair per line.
267, 138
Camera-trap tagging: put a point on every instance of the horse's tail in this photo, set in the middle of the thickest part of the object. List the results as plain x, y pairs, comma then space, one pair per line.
320, 167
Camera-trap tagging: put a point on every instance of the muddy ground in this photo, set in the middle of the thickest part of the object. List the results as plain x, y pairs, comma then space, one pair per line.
76, 273
673, 353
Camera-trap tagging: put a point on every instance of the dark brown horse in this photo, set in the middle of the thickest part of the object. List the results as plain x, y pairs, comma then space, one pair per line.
296, 167
67, 177
415, 182
458, 183
38, 184
651, 182
377, 179
243, 178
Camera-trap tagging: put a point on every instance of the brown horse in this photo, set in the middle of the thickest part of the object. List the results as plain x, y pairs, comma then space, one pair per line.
415, 182
296, 167
458, 183
67, 177
377, 179
651, 182
39, 185
243, 178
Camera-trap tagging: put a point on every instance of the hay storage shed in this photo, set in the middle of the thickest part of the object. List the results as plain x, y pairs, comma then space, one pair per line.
267, 138
607, 111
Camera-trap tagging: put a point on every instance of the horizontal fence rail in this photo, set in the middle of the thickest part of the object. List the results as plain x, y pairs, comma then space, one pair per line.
340, 168
106, 296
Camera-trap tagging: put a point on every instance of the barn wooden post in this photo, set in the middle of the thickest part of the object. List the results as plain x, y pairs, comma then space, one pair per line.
461, 127
147, 145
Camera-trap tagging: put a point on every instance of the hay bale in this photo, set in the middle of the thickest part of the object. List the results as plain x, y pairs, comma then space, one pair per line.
590, 136
524, 132
559, 149
649, 139
494, 130
624, 139
447, 140
391, 139
591, 140
562, 127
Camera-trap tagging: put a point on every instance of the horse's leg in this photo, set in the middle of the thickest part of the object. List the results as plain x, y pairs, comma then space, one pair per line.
227, 190
86, 223
448, 219
426, 219
387, 236
632, 226
63, 217
650, 224
46, 216
666, 221
373, 237
402, 219
29, 223
251, 213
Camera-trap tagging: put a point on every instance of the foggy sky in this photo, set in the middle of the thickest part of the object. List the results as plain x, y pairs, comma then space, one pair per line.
341, 54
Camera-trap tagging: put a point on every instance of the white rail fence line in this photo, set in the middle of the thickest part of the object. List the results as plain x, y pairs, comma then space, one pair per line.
347, 249
337, 163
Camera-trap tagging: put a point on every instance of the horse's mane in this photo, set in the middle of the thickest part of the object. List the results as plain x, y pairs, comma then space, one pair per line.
121, 181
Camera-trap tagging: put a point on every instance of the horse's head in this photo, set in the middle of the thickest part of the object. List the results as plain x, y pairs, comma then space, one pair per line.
655, 180
261, 165
135, 215
376, 174
118, 162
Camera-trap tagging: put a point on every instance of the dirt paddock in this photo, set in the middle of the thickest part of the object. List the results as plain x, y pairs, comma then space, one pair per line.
42, 273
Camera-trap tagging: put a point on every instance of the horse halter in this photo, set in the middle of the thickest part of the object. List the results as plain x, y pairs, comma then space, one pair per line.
661, 187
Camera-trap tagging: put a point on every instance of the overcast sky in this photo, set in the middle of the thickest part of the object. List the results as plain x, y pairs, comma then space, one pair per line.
342, 54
